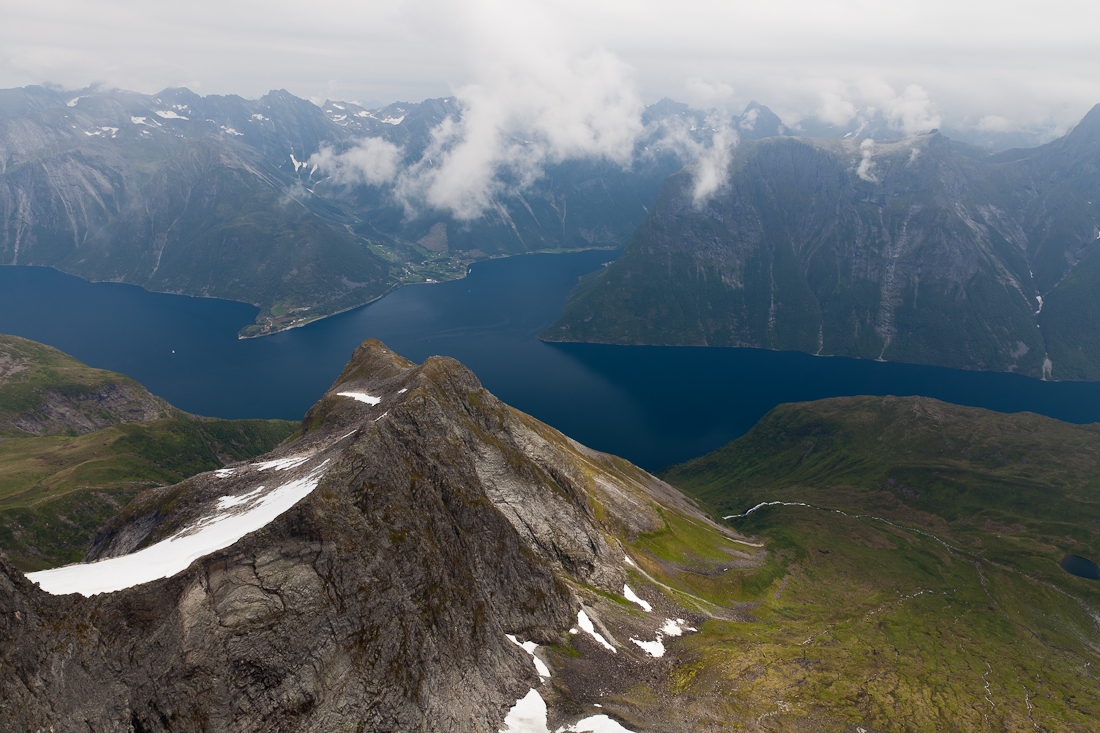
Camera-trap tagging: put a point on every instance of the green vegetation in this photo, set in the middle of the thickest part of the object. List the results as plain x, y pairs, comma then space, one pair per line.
55, 492
31, 372
919, 590
58, 488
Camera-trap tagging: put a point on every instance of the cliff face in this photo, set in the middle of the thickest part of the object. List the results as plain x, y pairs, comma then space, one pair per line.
919, 250
435, 521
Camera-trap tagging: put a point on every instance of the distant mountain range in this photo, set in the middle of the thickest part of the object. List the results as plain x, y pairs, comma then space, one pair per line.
919, 249
216, 196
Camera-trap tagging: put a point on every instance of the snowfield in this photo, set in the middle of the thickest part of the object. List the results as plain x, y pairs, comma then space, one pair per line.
176, 553
361, 396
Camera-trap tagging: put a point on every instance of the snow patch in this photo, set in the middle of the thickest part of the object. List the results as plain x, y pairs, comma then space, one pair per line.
403, 390
530, 647
169, 114
361, 396
676, 628
629, 561
652, 648
586, 624
225, 472
595, 724
72, 102
393, 120
175, 554
259, 117
138, 120
282, 464
231, 131
528, 715
229, 501
671, 628
633, 598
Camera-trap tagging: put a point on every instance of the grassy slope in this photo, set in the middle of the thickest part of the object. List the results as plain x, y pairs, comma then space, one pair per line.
933, 601
55, 492
28, 367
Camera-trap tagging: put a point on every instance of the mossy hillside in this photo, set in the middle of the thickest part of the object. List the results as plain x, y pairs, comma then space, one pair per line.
28, 368
55, 492
920, 587
891, 630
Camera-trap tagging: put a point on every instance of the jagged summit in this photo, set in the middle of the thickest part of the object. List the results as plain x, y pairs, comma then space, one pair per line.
387, 553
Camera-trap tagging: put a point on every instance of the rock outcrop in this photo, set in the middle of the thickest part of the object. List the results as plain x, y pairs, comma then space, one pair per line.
44, 391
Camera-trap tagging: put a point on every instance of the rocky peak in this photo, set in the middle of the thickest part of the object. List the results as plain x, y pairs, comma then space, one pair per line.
433, 521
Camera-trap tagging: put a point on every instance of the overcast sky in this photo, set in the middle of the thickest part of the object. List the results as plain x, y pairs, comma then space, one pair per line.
1001, 65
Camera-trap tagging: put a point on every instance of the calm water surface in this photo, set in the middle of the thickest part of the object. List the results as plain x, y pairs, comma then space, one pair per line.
651, 405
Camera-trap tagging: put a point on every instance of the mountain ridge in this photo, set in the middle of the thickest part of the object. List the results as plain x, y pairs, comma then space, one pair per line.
919, 250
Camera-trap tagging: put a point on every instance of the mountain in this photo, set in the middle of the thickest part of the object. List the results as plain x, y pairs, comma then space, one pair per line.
421, 556
919, 250
923, 542
76, 444
366, 575
215, 196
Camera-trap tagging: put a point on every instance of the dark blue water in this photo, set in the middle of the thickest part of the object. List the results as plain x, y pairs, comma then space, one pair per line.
1080, 567
651, 405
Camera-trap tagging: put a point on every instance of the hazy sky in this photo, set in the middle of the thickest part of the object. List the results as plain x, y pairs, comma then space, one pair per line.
1000, 65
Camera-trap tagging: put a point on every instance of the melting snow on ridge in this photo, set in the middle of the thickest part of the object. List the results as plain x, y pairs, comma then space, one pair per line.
633, 598
282, 464
530, 647
227, 501
174, 554
169, 114
361, 396
586, 624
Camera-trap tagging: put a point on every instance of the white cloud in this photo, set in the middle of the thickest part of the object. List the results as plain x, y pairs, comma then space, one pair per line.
867, 149
1014, 59
373, 161
994, 123
704, 94
835, 110
912, 111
